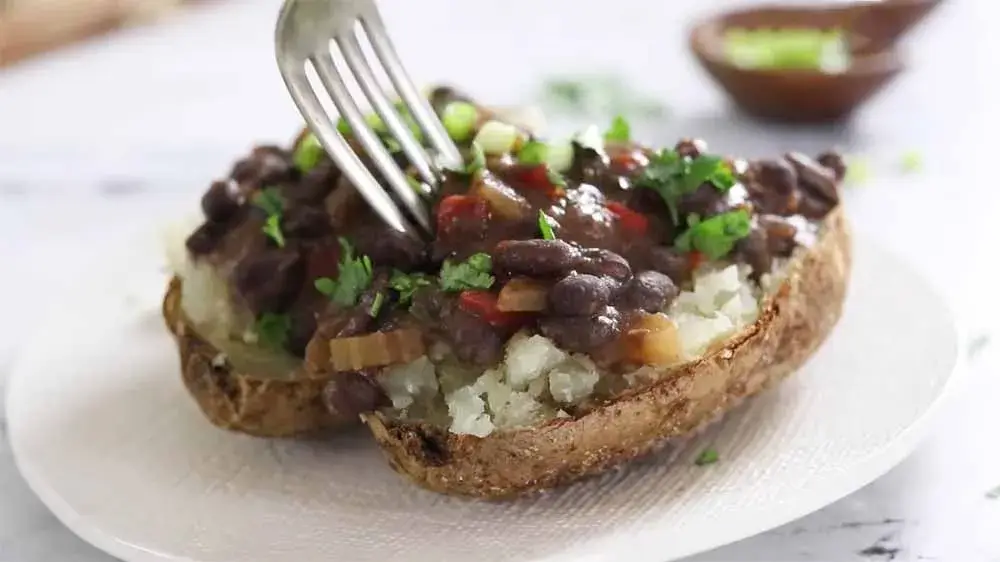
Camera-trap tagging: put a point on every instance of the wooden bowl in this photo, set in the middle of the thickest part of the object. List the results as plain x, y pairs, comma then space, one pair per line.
809, 96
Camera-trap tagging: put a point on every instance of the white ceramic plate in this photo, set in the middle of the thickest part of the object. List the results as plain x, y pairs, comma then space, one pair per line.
105, 434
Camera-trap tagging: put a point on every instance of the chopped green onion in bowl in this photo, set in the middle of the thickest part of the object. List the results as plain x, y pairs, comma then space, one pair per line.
824, 50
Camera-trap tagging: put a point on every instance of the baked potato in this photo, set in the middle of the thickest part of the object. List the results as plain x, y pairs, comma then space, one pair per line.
577, 304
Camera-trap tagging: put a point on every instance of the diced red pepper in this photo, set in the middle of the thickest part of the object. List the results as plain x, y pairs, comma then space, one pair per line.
460, 207
537, 177
484, 305
695, 259
632, 221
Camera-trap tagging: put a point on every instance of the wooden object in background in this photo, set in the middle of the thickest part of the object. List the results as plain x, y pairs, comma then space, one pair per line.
30, 27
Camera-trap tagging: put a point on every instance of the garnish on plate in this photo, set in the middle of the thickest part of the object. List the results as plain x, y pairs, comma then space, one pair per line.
473, 273
545, 226
708, 456
270, 201
406, 284
620, 130
715, 236
376, 305
272, 330
673, 176
459, 119
308, 153
354, 278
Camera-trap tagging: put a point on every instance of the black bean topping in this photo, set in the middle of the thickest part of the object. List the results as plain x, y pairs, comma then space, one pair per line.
780, 234
389, 247
603, 263
691, 148
205, 238
351, 393
814, 179
706, 201
672, 263
315, 185
306, 222
580, 294
538, 258
472, 339
270, 280
649, 291
583, 333
834, 161
221, 201
753, 250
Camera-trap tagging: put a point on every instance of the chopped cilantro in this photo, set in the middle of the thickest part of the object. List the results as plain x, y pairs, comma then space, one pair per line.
272, 330
715, 236
533, 152
545, 226
911, 162
269, 199
708, 456
308, 153
406, 284
620, 130
673, 176
355, 276
376, 305
473, 273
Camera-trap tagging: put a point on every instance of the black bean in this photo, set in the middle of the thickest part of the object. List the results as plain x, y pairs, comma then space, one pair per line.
580, 294
269, 280
583, 333
351, 393
780, 234
814, 179
705, 201
650, 291
306, 222
753, 250
221, 201
601, 262
776, 175
691, 148
670, 262
472, 339
812, 207
539, 258
205, 238
389, 247
834, 161
303, 327
314, 185
275, 165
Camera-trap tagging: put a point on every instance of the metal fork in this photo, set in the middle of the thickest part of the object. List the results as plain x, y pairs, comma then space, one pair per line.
309, 35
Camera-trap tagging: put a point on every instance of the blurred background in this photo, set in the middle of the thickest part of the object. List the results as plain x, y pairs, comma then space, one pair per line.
116, 114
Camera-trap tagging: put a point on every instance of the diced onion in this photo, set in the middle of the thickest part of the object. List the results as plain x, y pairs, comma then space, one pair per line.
652, 340
376, 350
522, 294
503, 199
459, 119
559, 156
497, 138
591, 137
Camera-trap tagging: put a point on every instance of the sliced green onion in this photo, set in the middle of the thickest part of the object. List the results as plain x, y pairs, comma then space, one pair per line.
591, 138
308, 153
533, 152
497, 138
620, 131
459, 120
559, 156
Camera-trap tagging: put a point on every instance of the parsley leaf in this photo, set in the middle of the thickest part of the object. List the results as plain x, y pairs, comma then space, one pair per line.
355, 276
272, 330
715, 236
376, 305
545, 226
473, 273
708, 456
533, 152
408, 284
673, 177
270, 200
620, 130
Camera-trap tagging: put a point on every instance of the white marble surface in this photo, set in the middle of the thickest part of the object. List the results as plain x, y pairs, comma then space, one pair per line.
98, 142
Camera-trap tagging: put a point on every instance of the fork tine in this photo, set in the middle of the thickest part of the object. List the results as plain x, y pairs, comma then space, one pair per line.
419, 107
341, 153
341, 96
351, 51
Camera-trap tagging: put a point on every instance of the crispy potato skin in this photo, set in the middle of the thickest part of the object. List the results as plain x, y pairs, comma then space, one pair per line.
264, 407
673, 407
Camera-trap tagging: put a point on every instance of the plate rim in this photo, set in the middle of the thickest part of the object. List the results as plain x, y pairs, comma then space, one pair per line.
643, 541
